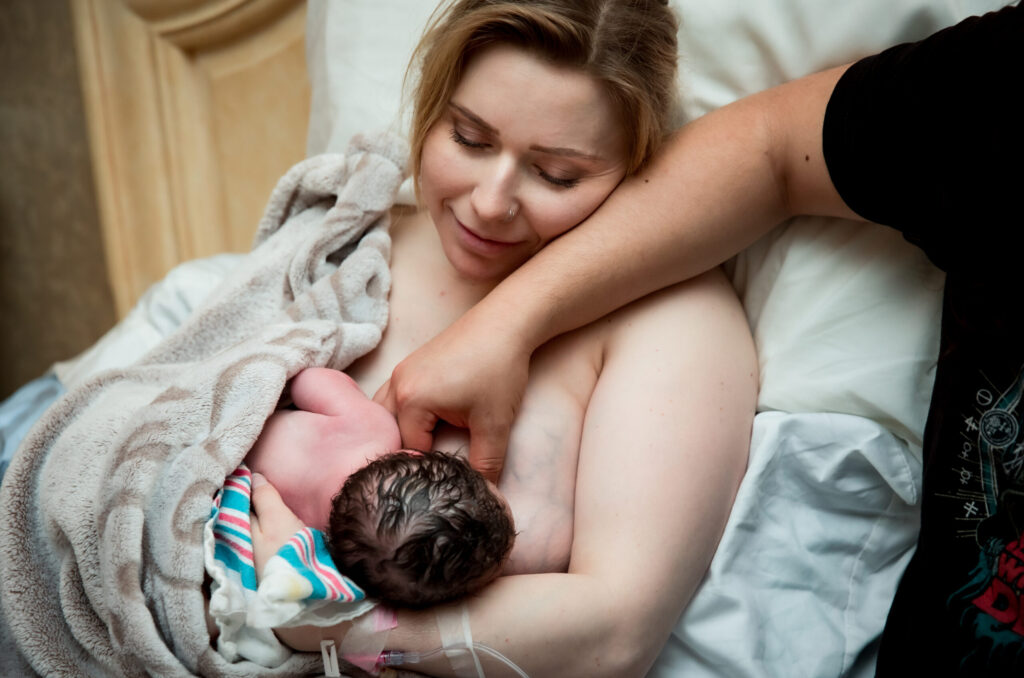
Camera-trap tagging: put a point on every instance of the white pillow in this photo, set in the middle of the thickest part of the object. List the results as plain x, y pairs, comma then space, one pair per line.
731, 48
845, 316
356, 54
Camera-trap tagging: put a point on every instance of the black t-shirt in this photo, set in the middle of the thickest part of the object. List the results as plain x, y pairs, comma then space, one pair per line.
927, 138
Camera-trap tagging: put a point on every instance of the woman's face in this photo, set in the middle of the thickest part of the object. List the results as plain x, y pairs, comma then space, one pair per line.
521, 134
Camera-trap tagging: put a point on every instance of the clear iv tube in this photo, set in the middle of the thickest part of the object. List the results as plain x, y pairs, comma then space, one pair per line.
397, 657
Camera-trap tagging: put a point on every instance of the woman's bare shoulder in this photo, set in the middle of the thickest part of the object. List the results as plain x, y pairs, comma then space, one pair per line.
702, 309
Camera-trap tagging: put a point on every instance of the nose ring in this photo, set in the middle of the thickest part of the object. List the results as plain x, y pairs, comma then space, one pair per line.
511, 213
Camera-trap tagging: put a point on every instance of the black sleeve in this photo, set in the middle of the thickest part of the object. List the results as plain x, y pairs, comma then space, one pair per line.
927, 137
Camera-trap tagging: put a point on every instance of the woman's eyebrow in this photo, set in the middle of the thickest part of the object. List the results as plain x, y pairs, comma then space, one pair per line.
550, 150
474, 118
568, 152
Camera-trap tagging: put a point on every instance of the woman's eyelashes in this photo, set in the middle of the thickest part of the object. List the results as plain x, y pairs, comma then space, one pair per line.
465, 141
458, 138
557, 181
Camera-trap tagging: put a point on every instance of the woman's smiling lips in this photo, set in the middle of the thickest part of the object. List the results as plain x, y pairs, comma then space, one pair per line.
484, 246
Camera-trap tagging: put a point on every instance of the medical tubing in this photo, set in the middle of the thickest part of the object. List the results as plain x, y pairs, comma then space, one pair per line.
398, 657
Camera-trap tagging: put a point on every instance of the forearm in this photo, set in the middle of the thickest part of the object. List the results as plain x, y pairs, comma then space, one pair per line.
532, 620
719, 184
549, 624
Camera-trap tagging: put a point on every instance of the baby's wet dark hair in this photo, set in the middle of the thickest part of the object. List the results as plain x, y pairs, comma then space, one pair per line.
419, 529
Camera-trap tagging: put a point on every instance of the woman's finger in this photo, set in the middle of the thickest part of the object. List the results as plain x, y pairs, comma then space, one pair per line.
269, 508
385, 397
417, 428
271, 522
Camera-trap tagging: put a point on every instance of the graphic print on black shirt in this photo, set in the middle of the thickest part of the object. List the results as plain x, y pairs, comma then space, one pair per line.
958, 609
991, 498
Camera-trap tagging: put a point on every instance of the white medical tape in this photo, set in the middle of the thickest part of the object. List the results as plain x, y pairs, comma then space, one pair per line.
457, 639
330, 657
368, 636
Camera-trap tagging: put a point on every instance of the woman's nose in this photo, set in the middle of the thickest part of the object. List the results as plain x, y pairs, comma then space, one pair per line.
494, 194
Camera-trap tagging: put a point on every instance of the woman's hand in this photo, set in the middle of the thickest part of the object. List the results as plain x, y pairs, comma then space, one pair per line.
471, 376
272, 523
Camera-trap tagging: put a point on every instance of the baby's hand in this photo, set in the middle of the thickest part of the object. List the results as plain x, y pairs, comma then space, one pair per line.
272, 523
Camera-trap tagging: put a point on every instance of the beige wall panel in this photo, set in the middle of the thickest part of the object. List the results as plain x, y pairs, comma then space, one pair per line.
256, 96
126, 144
195, 110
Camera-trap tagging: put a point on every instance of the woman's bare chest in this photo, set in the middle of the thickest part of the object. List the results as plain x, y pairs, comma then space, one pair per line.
426, 298
539, 476
562, 374
540, 465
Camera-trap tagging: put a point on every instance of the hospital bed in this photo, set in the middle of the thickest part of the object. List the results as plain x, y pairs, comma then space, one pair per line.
845, 315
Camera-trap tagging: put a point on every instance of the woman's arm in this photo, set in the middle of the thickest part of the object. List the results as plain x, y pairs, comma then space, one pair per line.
664, 446
721, 182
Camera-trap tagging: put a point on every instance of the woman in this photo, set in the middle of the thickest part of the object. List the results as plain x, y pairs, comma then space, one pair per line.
528, 115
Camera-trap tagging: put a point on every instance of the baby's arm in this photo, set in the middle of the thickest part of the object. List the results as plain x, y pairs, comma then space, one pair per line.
321, 390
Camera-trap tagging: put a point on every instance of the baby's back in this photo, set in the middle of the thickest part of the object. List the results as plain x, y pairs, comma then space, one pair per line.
307, 456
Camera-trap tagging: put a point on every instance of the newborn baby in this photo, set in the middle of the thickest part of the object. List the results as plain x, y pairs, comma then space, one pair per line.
411, 528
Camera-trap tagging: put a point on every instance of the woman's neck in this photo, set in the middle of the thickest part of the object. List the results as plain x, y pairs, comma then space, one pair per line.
427, 295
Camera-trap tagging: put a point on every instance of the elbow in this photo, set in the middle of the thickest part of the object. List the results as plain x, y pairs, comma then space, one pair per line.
629, 651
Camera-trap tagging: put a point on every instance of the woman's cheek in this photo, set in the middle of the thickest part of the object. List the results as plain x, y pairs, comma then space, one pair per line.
439, 165
558, 217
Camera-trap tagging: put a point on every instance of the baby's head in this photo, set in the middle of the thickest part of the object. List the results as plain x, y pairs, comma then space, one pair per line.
415, 529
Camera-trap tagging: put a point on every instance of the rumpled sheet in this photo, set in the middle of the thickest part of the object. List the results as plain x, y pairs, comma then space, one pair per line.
103, 505
824, 523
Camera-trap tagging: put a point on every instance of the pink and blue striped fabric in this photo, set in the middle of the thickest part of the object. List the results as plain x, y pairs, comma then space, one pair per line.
305, 552
232, 532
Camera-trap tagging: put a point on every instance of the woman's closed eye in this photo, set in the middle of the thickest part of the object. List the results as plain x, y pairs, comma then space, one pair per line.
561, 182
473, 144
463, 140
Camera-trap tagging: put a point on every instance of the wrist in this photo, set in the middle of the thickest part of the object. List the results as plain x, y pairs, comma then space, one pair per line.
517, 324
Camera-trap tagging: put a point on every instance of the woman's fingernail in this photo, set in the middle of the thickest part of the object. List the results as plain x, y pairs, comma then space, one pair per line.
258, 480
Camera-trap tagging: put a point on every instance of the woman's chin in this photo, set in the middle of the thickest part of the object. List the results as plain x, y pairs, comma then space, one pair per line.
481, 268
482, 272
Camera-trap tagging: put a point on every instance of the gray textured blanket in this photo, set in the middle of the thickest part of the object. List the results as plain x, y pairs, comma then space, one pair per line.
101, 511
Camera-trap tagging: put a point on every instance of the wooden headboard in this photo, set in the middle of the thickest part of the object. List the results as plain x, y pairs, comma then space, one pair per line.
195, 108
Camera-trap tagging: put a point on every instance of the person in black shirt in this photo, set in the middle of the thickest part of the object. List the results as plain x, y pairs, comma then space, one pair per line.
948, 178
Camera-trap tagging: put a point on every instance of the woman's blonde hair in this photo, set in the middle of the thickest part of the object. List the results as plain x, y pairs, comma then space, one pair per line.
628, 46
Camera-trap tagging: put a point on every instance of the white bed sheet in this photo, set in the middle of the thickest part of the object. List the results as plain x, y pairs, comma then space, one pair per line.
824, 524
